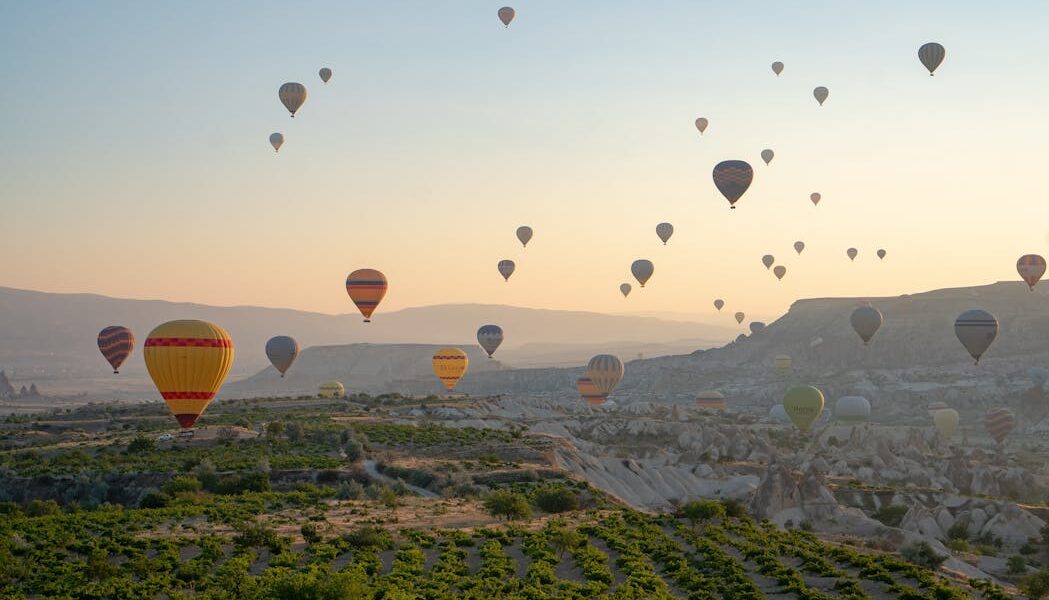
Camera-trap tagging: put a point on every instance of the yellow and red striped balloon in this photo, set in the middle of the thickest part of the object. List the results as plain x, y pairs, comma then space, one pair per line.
710, 400
366, 288
116, 343
450, 364
589, 391
188, 361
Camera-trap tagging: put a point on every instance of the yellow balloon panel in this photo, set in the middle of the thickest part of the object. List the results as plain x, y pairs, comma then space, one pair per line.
450, 364
188, 361
803, 404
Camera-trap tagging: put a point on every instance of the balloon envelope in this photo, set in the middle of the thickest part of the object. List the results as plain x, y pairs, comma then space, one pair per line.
710, 400
366, 287
276, 140
766, 155
866, 320
732, 178
331, 389
768, 260
852, 253
779, 271
777, 67
642, 270
999, 422
524, 234
815, 197
701, 125
821, 93
506, 14
116, 344
489, 337
664, 231
946, 421
506, 268
976, 330
325, 74
881, 254
450, 364
719, 304
188, 362
624, 288
591, 395
803, 404
605, 370
852, 409
292, 95
739, 317
931, 55
1031, 267
282, 352
799, 246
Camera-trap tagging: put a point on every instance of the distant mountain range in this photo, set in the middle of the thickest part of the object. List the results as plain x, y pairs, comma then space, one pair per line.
50, 337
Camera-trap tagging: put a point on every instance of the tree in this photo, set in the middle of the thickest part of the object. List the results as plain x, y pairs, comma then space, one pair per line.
563, 538
507, 505
698, 511
310, 533
1016, 564
1036, 585
389, 498
141, 444
922, 554
274, 429
556, 499
294, 431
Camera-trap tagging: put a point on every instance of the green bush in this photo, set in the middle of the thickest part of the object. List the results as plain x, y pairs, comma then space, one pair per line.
1016, 564
1036, 585
507, 505
141, 444
922, 554
891, 515
556, 499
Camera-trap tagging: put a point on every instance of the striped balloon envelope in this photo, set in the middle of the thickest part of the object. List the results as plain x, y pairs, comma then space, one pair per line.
591, 395
732, 178
450, 364
1031, 267
605, 370
490, 337
976, 329
188, 361
999, 422
116, 343
931, 55
366, 288
710, 400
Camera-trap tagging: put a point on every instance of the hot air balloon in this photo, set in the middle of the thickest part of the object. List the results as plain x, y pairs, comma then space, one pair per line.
489, 337
325, 74
999, 422
732, 178
276, 140
701, 125
768, 260
292, 96
282, 352
116, 344
591, 395
524, 234
664, 231
739, 317
710, 400
852, 253
188, 361
756, 326
642, 270
1031, 267
766, 155
881, 254
803, 404
946, 421
976, 329
719, 304
624, 288
815, 197
821, 93
331, 389
777, 67
1038, 376
605, 370
799, 246
366, 288
866, 320
506, 14
852, 409
506, 268
778, 414
931, 55
779, 271
782, 363
450, 364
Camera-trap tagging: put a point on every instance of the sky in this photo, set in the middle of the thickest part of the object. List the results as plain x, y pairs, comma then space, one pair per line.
135, 159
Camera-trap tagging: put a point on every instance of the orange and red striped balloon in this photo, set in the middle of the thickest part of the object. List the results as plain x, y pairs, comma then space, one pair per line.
366, 288
1031, 267
116, 344
999, 422
589, 391
188, 361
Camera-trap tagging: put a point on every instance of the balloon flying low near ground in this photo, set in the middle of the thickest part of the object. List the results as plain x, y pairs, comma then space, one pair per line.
976, 330
490, 337
116, 344
450, 364
866, 321
605, 371
589, 392
188, 361
803, 405
282, 352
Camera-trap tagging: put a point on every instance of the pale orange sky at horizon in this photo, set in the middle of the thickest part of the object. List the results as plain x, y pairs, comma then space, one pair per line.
422, 155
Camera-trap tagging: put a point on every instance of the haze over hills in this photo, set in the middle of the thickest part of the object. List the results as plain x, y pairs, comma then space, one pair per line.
51, 337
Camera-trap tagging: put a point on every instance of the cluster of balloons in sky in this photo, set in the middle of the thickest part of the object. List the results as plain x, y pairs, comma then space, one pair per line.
293, 95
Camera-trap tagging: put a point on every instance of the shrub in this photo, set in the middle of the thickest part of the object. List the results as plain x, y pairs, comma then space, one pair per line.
508, 505
734, 509
349, 490
140, 445
369, 536
310, 533
154, 499
698, 511
41, 508
958, 531
1036, 585
1016, 564
891, 515
181, 484
922, 554
556, 499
